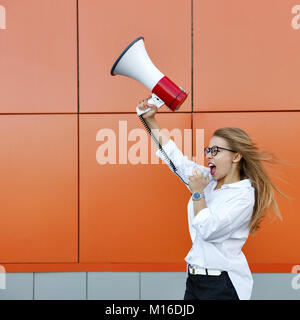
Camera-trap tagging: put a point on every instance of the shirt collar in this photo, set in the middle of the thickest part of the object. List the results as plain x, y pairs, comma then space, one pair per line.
239, 184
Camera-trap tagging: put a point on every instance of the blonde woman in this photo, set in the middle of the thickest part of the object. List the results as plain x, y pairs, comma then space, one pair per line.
224, 208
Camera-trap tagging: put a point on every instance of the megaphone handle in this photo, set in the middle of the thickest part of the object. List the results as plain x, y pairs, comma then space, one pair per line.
155, 100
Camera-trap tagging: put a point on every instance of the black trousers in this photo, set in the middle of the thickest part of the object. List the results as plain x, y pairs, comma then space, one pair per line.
205, 287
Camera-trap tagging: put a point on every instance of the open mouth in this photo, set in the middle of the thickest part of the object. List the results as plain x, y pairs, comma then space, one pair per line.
212, 169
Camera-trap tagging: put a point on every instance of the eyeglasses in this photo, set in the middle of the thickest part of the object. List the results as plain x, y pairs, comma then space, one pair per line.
214, 150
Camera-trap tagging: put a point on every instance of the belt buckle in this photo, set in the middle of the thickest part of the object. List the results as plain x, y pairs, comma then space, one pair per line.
192, 270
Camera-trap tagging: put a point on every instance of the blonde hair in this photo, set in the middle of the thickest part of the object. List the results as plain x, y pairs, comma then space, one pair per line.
251, 167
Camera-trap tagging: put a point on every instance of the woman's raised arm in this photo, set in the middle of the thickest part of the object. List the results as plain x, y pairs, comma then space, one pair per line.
183, 165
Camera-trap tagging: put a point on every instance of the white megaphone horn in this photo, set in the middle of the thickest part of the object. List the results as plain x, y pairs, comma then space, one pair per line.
135, 63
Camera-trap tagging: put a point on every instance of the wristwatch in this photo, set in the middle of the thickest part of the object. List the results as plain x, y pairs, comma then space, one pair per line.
197, 196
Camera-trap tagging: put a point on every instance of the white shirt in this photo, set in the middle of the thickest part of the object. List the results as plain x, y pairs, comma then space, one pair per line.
219, 231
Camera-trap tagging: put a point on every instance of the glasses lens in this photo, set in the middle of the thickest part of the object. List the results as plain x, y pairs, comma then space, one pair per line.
206, 150
214, 150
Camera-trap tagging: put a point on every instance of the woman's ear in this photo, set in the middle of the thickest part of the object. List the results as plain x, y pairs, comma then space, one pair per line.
237, 157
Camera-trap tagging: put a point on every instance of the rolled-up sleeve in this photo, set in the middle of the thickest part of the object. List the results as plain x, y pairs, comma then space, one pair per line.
183, 165
219, 224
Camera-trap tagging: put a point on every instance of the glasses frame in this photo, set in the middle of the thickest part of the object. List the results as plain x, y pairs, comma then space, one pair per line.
217, 150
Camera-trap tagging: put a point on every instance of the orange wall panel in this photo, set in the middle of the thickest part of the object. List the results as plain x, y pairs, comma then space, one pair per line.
127, 211
126, 216
39, 206
279, 133
246, 55
38, 57
105, 29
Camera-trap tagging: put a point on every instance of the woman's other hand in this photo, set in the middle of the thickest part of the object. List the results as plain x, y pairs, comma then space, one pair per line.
197, 182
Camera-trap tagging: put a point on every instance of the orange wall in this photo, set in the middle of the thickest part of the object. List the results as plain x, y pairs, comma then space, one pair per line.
63, 211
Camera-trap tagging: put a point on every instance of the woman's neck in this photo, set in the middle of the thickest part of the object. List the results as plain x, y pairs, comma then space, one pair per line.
229, 178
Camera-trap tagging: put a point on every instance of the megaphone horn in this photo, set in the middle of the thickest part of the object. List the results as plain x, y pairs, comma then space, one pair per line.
135, 63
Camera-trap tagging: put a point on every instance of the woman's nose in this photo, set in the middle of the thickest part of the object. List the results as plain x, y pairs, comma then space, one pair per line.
208, 157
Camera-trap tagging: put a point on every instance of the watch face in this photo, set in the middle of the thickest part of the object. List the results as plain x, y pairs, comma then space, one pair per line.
196, 195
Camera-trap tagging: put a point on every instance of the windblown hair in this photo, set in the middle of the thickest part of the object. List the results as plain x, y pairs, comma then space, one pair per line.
251, 167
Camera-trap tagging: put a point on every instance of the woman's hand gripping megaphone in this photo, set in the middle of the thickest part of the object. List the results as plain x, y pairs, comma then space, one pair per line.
148, 104
146, 108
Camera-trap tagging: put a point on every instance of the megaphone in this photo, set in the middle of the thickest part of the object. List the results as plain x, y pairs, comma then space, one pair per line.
135, 63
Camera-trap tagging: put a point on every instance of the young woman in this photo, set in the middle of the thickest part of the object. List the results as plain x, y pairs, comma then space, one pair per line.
223, 209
